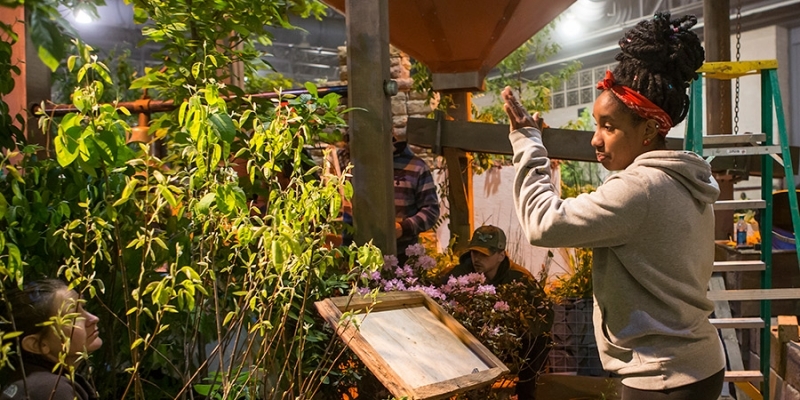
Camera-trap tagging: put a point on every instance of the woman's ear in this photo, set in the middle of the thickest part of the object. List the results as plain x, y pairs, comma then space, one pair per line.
650, 131
34, 344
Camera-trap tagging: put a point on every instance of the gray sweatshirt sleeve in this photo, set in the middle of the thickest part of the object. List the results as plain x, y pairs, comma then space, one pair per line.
604, 218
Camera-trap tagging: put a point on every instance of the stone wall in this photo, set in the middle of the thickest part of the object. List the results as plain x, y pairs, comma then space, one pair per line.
406, 103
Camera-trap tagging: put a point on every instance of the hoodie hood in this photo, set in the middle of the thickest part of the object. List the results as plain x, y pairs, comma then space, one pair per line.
686, 167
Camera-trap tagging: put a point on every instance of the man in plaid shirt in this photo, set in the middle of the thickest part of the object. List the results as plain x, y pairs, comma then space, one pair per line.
416, 204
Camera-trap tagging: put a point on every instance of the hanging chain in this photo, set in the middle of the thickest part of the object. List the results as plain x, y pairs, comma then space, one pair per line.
738, 55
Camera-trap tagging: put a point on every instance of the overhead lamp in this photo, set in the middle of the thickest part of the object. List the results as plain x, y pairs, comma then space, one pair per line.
82, 17
570, 27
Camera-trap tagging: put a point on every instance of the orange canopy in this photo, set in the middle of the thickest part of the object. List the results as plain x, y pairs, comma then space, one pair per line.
455, 36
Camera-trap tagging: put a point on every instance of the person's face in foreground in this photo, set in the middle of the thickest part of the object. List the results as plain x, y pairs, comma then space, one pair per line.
78, 327
618, 137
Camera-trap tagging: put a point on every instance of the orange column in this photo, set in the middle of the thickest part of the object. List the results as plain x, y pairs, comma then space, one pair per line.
17, 99
459, 167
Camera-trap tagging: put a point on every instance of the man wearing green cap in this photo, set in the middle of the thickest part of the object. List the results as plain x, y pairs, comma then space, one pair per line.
487, 255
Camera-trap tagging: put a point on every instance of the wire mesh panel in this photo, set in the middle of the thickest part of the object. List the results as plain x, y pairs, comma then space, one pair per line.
574, 348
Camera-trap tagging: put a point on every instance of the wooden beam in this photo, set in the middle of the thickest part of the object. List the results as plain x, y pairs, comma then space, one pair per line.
458, 81
371, 130
562, 144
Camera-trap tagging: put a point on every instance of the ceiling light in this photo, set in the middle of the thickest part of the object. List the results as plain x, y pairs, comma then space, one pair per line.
82, 17
570, 27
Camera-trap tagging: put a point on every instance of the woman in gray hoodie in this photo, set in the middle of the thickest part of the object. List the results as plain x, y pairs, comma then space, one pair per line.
651, 224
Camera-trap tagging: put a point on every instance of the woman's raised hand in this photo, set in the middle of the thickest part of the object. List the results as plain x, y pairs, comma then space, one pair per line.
518, 115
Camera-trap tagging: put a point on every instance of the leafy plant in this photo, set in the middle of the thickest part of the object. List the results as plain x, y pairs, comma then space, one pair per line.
203, 262
534, 94
576, 283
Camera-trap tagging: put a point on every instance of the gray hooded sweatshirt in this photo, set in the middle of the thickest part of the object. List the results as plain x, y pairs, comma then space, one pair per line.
652, 230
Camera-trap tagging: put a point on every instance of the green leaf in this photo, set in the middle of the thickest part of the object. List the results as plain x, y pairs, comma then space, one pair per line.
47, 36
312, 89
204, 205
11, 335
127, 192
3, 206
14, 264
102, 71
164, 190
228, 318
136, 343
223, 127
71, 63
205, 390
67, 145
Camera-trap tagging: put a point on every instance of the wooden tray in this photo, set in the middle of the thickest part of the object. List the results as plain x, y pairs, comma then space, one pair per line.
412, 345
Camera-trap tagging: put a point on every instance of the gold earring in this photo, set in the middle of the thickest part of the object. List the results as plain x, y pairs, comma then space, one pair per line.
646, 142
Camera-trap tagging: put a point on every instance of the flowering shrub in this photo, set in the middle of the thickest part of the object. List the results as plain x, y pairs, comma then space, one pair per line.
506, 319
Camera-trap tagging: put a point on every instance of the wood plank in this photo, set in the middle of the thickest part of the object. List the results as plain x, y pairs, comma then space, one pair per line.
446, 389
458, 330
737, 323
743, 376
385, 301
368, 66
412, 345
740, 151
420, 350
563, 144
350, 335
741, 266
739, 204
728, 139
755, 294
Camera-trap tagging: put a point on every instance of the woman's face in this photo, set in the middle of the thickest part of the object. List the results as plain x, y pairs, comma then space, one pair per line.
78, 326
618, 139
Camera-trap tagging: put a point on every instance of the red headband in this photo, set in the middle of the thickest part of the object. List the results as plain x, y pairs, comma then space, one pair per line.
638, 103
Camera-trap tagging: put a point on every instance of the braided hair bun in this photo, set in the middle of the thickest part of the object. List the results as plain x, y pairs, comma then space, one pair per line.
659, 59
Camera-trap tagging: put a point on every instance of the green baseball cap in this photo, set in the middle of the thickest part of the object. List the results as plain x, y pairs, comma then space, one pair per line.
488, 240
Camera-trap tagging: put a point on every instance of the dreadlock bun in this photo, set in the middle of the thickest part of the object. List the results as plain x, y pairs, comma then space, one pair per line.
659, 59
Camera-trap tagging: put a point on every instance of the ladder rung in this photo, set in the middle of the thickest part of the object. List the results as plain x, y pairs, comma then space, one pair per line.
741, 151
740, 205
729, 266
743, 376
721, 140
754, 294
734, 69
737, 323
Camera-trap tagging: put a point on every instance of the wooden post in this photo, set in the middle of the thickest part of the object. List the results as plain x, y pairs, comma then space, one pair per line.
717, 31
371, 130
27, 91
17, 99
459, 170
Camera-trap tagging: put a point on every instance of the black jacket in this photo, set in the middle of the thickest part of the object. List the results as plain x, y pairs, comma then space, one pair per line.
42, 384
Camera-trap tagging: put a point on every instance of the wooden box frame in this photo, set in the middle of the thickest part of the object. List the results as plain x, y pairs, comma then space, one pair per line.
434, 319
